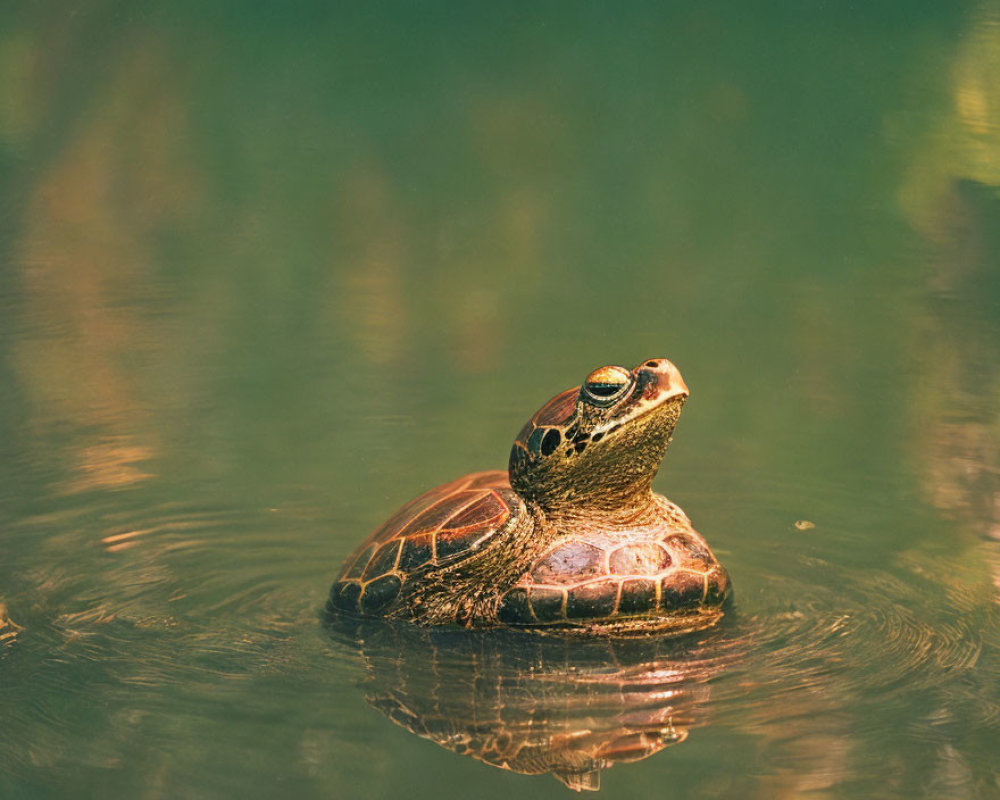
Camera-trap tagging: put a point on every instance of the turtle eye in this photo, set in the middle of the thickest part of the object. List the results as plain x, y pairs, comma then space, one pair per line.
605, 386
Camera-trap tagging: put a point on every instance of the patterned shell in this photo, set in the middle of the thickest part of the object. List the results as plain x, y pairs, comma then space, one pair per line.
586, 578
438, 527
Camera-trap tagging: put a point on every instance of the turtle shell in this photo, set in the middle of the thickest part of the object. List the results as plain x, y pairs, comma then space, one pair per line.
591, 579
437, 528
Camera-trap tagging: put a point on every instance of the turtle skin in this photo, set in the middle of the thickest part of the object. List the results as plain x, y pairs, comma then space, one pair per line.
437, 528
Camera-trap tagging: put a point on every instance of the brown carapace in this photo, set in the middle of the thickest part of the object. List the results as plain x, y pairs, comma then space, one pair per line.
570, 538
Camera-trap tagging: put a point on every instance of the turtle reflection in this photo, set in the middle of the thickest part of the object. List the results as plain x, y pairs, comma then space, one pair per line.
537, 704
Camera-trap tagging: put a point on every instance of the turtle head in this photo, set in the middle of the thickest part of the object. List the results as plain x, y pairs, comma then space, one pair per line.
599, 445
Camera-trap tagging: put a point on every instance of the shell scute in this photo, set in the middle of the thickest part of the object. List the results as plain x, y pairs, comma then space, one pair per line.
570, 562
489, 509
405, 517
440, 515
592, 600
689, 546
453, 543
716, 587
419, 514
363, 559
436, 527
380, 592
417, 551
483, 513
639, 596
345, 596
548, 604
683, 589
644, 558
384, 560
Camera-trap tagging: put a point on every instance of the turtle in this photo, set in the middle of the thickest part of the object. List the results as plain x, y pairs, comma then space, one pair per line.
571, 538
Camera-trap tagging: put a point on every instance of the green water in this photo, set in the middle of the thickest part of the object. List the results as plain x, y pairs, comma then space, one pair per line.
266, 273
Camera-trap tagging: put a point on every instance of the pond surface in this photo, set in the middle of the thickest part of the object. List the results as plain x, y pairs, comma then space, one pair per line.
265, 275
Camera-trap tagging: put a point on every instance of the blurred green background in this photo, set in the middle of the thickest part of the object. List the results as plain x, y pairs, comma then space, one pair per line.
266, 273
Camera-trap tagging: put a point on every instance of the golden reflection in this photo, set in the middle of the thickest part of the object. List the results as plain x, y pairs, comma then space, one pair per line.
8, 628
88, 268
123, 541
366, 290
951, 195
977, 96
111, 463
539, 705
966, 142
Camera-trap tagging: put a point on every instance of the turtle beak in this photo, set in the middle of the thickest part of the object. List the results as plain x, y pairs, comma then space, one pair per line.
663, 379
